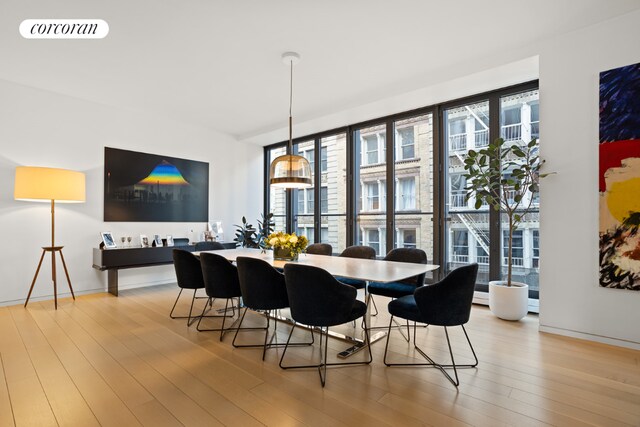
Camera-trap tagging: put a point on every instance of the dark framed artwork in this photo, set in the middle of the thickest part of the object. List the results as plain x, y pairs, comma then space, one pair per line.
142, 187
619, 178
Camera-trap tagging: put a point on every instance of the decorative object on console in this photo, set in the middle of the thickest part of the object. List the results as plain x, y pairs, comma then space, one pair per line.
40, 184
144, 241
290, 170
157, 240
286, 246
619, 178
149, 187
169, 240
108, 240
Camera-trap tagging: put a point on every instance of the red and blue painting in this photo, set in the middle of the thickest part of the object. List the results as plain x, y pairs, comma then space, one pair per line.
619, 178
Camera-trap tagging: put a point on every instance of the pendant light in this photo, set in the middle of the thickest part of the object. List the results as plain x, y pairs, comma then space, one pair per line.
290, 170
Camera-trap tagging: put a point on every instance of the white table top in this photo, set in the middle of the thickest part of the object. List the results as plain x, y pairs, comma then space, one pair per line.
355, 268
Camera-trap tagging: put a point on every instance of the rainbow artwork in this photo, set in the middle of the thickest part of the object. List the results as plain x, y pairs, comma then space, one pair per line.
619, 178
164, 174
154, 188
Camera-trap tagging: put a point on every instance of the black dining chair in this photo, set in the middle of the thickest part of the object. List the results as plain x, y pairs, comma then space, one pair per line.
220, 281
188, 276
360, 252
318, 300
208, 246
320, 249
446, 303
263, 289
402, 287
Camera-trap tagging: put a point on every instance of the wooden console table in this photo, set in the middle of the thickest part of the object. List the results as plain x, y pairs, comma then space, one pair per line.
114, 260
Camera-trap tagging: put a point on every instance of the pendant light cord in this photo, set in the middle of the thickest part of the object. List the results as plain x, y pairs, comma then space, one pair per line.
290, 107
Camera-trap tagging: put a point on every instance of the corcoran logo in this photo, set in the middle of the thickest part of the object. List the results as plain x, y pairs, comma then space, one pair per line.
64, 29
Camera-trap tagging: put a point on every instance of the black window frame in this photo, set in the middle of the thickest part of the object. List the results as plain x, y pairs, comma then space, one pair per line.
439, 172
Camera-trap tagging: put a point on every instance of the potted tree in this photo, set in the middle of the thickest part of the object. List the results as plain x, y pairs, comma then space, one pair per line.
505, 177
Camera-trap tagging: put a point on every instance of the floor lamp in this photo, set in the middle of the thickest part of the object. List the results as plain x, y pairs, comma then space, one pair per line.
36, 184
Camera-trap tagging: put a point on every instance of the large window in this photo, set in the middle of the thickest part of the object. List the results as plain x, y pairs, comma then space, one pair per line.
519, 124
413, 184
277, 196
464, 225
370, 175
304, 199
390, 183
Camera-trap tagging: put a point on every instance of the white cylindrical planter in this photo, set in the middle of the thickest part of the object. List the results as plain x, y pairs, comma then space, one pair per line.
508, 302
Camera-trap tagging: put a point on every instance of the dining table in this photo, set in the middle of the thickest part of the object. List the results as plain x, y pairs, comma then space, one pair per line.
370, 270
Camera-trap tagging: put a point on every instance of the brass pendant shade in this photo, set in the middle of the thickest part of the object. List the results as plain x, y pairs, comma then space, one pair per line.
290, 170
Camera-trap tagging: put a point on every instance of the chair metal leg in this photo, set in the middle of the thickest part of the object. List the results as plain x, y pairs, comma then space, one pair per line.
174, 306
190, 321
322, 366
431, 363
224, 317
268, 342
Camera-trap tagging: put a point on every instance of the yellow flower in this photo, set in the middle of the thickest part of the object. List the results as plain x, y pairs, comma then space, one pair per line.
293, 239
273, 241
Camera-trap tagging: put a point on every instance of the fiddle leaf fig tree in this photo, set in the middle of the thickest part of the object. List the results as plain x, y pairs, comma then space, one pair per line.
505, 177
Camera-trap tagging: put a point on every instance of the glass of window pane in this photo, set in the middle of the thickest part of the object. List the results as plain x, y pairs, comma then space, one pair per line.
466, 229
333, 191
413, 171
278, 196
370, 179
519, 124
303, 198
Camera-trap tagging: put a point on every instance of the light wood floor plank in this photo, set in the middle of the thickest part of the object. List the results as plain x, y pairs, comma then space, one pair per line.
104, 403
29, 402
6, 412
124, 362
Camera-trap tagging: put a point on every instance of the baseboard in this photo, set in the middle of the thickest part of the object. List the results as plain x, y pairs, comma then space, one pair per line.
590, 337
83, 292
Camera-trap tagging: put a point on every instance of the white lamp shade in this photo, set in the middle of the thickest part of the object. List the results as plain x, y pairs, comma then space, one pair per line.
45, 184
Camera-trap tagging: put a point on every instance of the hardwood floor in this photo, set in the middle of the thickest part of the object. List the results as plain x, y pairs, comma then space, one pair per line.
122, 362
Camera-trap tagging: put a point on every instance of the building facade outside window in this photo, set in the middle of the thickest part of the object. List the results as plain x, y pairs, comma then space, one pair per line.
423, 178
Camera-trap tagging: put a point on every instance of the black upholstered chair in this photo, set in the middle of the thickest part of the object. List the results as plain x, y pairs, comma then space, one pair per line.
317, 299
446, 303
361, 252
208, 246
320, 249
263, 289
220, 281
189, 276
402, 287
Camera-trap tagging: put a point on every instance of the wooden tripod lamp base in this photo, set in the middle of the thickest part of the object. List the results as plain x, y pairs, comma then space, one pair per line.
53, 250
36, 184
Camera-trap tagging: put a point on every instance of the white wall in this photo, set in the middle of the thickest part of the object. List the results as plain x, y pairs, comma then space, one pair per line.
40, 128
571, 301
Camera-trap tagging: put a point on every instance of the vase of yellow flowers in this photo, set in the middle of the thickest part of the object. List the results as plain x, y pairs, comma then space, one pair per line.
286, 246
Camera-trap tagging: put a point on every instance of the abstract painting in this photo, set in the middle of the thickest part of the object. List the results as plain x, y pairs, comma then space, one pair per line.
149, 187
619, 178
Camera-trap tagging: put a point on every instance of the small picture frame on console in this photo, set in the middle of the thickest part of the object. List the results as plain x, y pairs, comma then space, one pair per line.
108, 240
144, 241
169, 240
157, 240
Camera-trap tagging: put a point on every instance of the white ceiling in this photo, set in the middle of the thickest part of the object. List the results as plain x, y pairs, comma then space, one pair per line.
217, 63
